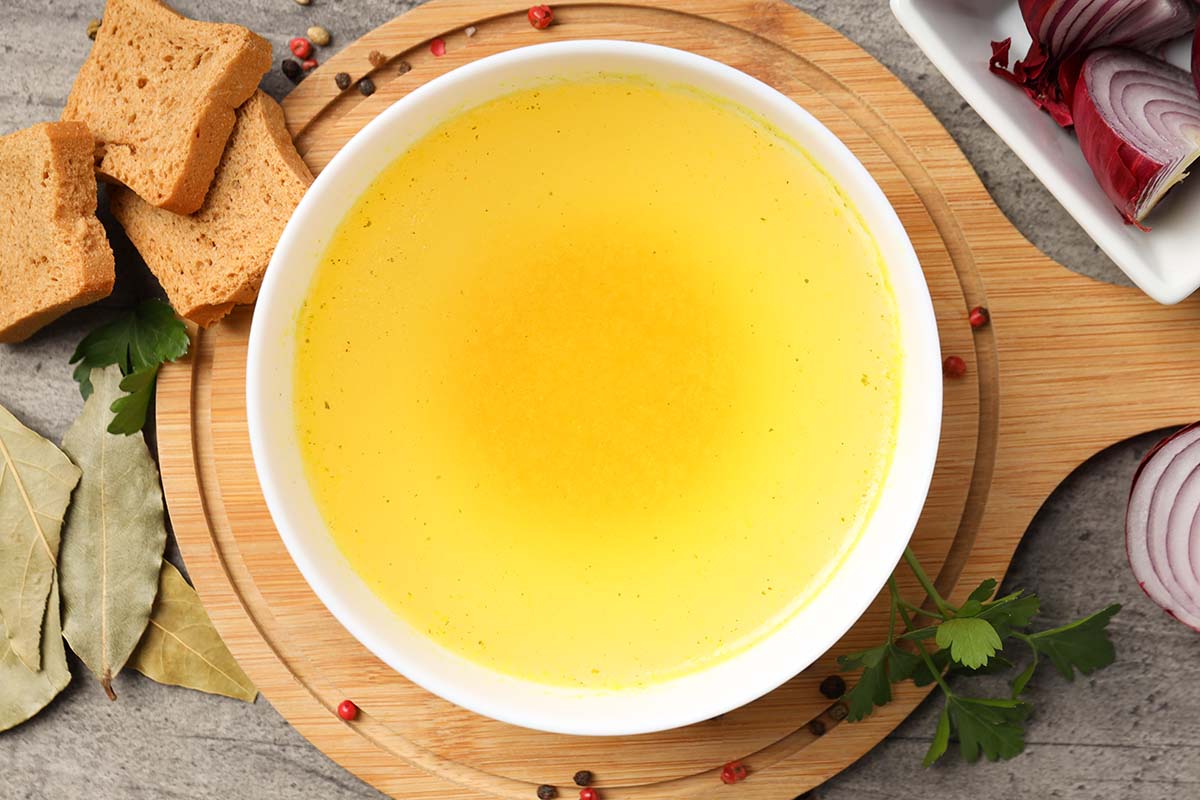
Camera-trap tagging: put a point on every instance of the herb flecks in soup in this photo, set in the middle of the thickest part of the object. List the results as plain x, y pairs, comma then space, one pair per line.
598, 382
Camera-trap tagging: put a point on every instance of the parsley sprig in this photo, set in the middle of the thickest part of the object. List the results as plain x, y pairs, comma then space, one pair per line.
982, 636
139, 340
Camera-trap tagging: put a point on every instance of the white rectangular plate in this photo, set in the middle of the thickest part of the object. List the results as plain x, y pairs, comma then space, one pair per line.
956, 36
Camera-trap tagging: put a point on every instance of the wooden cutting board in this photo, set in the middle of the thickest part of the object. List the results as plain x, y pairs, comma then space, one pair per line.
1068, 366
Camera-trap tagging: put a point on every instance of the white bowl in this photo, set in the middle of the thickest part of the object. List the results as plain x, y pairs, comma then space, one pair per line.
956, 36
694, 697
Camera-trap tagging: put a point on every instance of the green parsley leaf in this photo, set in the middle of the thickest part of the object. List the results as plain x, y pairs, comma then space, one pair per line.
989, 727
984, 591
1015, 611
975, 600
881, 667
1022, 680
995, 665
1083, 645
941, 738
941, 661
106, 345
138, 341
145, 336
971, 641
131, 409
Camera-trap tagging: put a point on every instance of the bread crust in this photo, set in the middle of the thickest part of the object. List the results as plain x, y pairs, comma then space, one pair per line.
54, 255
214, 259
158, 91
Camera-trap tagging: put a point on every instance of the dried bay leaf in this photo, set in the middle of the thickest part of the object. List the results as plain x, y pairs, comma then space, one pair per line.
24, 693
112, 545
181, 647
36, 480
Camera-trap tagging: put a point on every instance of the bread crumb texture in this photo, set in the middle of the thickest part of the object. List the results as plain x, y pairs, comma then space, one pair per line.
214, 259
53, 252
158, 92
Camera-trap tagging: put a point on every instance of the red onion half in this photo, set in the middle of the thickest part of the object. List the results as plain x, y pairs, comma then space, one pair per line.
1162, 525
1138, 123
1064, 31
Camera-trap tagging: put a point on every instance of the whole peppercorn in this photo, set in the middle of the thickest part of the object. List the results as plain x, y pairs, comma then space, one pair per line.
303, 2
979, 317
347, 710
838, 711
291, 68
342, 79
733, 772
93, 28
308, 64
816, 727
589, 794
583, 778
403, 67
540, 17
547, 792
319, 36
376, 58
833, 687
954, 367
438, 47
301, 48
366, 87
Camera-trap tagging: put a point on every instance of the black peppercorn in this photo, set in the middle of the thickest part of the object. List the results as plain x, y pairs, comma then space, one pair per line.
366, 87
291, 68
583, 778
547, 792
838, 711
833, 687
404, 67
816, 727
342, 79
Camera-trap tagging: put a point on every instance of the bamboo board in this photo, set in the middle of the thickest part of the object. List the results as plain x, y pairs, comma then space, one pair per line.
1068, 366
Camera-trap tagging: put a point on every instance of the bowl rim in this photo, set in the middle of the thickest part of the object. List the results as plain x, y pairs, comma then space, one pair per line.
742, 677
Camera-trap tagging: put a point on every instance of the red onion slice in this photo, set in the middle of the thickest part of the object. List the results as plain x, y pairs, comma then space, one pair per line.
1170, 520
1150, 527
1180, 517
1138, 122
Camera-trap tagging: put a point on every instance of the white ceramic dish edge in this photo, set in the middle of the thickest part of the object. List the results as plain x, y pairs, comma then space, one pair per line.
955, 36
694, 697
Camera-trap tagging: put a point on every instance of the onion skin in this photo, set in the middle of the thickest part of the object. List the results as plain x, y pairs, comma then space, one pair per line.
1133, 177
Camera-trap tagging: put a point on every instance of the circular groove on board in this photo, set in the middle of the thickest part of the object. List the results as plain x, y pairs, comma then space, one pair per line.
448, 754
719, 38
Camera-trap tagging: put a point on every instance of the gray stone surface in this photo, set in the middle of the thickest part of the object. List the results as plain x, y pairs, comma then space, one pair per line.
1132, 731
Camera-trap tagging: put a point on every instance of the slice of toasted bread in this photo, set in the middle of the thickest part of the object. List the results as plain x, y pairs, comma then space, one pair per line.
53, 252
211, 260
158, 92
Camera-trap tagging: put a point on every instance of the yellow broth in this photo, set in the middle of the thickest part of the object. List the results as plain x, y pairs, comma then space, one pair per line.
598, 382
